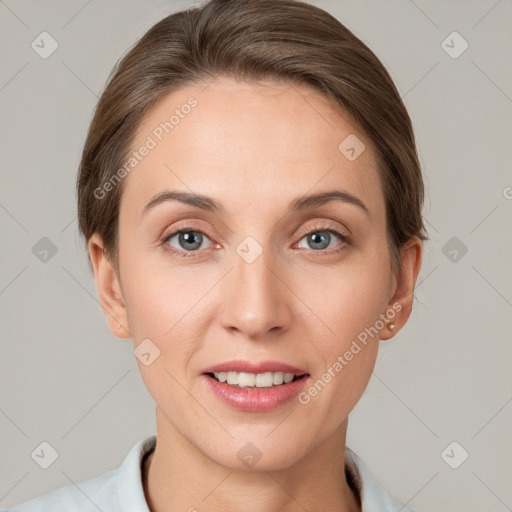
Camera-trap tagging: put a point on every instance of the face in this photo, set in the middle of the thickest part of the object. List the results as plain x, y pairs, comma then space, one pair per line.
264, 277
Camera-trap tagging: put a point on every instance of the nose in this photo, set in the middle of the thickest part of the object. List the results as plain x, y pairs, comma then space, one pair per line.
256, 298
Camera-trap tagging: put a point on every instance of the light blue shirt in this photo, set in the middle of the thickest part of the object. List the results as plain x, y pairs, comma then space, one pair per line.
121, 490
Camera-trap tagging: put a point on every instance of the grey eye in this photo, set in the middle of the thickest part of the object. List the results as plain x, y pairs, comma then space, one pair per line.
320, 239
188, 240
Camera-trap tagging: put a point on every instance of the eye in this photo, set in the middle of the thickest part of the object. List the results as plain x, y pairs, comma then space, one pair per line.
189, 241
185, 240
320, 239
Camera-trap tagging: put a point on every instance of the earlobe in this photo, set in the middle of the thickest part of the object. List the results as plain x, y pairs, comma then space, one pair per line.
404, 292
109, 289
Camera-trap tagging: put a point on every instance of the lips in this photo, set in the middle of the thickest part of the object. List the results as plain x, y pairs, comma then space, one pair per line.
252, 367
255, 399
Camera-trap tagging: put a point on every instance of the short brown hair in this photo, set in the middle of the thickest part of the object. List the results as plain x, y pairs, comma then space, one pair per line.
252, 40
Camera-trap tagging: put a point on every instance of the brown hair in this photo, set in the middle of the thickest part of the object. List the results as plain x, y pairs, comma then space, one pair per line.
251, 40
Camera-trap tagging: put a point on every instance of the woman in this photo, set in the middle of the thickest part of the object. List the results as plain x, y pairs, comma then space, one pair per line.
250, 195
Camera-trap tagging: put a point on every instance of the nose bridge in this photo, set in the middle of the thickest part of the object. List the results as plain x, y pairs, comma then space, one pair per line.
256, 299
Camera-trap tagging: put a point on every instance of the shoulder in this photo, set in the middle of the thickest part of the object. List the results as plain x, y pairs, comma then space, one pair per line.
374, 497
86, 496
119, 490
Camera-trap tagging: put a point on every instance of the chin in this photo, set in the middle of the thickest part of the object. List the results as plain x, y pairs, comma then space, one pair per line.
254, 453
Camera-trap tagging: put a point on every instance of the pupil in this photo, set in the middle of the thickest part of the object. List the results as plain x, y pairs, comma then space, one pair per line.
189, 237
315, 238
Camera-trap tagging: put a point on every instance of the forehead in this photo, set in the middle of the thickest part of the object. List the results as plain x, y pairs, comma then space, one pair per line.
247, 142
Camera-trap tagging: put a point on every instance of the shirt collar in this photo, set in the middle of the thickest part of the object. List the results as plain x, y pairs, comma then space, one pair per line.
130, 492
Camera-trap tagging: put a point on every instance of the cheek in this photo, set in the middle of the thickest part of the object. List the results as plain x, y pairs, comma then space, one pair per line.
159, 295
166, 304
161, 309
346, 298
347, 349
347, 301
333, 393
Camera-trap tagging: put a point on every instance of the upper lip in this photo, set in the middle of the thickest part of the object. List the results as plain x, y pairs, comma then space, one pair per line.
251, 367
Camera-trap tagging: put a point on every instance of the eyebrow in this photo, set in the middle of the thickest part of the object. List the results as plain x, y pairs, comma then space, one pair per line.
299, 203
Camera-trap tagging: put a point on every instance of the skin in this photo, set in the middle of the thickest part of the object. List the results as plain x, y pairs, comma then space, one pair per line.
252, 147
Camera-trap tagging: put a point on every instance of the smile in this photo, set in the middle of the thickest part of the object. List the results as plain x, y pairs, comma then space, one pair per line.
259, 380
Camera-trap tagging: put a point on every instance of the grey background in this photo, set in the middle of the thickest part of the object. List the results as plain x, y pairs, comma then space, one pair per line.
445, 377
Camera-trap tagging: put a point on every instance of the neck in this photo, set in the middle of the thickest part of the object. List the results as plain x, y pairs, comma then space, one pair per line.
177, 476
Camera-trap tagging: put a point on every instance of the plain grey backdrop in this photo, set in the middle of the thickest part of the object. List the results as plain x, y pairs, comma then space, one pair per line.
434, 424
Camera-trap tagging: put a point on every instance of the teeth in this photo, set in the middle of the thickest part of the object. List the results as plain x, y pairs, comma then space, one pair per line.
288, 377
260, 380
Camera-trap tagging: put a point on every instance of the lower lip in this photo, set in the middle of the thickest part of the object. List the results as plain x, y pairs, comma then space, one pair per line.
256, 399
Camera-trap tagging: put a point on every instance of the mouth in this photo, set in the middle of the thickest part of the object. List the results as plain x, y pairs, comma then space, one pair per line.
253, 387
255, 380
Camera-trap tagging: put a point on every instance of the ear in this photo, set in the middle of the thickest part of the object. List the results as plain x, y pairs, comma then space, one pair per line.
411, 254
109, 288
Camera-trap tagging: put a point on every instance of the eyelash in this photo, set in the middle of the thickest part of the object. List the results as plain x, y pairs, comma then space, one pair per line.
190, 254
